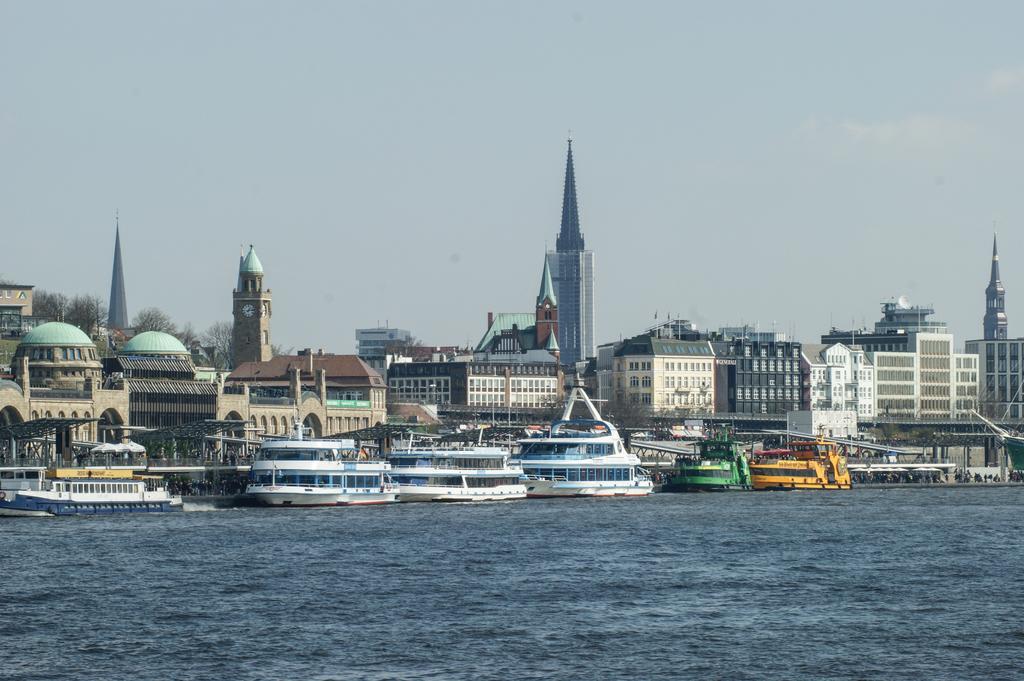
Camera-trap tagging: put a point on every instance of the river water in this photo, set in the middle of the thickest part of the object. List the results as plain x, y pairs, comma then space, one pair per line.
868, 584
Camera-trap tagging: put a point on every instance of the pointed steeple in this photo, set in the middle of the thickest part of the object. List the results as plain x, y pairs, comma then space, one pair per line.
117, 306
994, 278
570, 238
995, 323
251, 263
547, 289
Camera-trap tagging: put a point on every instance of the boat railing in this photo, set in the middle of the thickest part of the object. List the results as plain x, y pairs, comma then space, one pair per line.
451, 466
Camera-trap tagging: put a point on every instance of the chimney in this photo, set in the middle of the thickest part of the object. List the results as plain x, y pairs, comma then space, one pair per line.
490, 319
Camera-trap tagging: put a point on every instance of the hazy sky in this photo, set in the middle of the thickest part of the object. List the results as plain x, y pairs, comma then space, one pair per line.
786, 163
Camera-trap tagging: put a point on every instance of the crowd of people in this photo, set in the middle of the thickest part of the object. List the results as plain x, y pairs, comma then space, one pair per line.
222, 485
898, 478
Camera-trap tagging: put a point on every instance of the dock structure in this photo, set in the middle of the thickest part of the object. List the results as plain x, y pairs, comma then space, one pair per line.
192, 447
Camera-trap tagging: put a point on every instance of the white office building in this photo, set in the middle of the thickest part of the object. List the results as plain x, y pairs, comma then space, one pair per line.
842, 378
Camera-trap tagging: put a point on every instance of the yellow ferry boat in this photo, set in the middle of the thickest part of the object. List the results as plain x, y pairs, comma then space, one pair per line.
802, 465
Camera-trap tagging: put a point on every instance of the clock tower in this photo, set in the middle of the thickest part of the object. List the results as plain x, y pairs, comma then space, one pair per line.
250, 340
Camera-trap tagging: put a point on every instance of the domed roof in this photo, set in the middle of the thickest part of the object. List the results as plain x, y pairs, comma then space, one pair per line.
153, 343
251, 264
56, 333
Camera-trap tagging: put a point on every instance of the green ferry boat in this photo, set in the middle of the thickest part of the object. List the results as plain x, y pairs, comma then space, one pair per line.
720, 465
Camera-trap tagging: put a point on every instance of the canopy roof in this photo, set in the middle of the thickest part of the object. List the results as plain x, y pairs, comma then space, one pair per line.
195, 429
378, 432
39, 427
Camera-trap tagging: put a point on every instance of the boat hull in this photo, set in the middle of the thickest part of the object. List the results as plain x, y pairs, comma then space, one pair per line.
1015, 450
693, 486
23, 505
698, 480
284, 497
541, 489
411, 493
779, 485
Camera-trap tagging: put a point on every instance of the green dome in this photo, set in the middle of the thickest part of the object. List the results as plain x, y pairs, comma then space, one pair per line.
154, 343
56, 333
251, 264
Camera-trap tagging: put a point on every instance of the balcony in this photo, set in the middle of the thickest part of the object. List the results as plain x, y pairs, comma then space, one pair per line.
260, 401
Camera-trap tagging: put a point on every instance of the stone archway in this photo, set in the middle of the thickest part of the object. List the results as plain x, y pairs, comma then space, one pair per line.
312, 422
238, 431
108, 430
10, 415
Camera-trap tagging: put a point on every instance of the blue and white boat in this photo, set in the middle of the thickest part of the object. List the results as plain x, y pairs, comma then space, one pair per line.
299, 472
581, 458
41, 492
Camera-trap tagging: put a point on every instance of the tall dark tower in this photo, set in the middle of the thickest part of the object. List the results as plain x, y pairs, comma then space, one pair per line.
117, 305
572, 271
995, 300
250, 340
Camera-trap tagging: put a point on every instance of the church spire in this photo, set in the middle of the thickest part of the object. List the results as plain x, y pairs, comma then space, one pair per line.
547, 289
117, 306
570, 238
994, 278
995, 323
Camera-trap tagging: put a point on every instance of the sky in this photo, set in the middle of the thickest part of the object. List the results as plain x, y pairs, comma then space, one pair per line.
790, 164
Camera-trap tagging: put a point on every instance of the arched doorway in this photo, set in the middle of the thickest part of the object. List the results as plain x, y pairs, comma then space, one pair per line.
238, 431
312, 422
109, 430
9, 416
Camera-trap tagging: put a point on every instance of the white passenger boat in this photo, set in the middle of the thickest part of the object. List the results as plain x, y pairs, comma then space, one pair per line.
581, 458
40, 492
426, 473
301, 472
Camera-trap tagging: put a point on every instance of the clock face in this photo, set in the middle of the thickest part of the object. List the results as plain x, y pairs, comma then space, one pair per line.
248, 309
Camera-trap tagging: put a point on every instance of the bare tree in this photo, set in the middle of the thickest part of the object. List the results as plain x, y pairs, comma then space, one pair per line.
402, 347
278, 350
188, 335
628, 414
50, 305
87, 312
153, 319
218, 344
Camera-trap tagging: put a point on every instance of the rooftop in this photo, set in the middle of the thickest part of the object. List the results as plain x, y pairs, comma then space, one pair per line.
340, 369
649, 345
154, 343
56, 333
251, 263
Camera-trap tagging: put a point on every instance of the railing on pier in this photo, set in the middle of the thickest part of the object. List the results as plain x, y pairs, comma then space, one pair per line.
60, 394
271, 401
